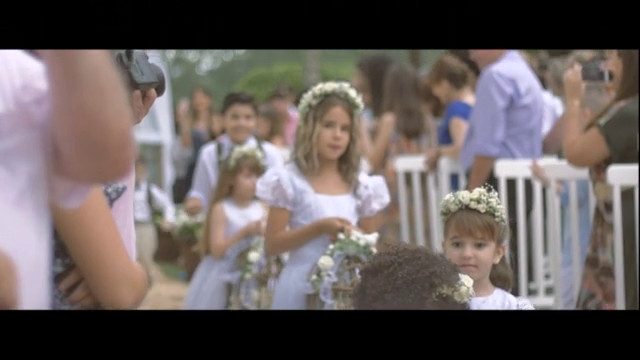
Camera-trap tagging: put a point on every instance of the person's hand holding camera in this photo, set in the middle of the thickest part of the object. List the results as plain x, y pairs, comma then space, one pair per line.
141, 105
573, 85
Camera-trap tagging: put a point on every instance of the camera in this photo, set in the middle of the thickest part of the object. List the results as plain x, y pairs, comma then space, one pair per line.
140, 73
594, 70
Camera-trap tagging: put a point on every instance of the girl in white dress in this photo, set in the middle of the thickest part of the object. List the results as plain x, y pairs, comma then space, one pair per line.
233, 220
475, 231
321, 192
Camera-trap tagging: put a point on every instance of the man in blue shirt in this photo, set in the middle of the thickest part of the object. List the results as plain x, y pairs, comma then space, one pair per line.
506, 122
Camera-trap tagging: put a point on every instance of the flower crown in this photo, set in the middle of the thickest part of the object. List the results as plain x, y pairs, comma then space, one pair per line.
342, 89
242, 151
461, 293
482, 199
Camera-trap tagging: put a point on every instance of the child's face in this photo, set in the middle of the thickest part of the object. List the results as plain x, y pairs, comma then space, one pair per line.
334, 134
240, 122
245, 183
441, 90
473, 256
201, 101
263, 128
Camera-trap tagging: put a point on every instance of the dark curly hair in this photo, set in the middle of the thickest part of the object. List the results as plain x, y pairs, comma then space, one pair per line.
406, 277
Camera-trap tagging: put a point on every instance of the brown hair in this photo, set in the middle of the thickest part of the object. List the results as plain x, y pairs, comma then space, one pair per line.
305, 154
401, 97
374, 68
469, 222
407, 277
276, 120
224, 189
455, 71
628, 86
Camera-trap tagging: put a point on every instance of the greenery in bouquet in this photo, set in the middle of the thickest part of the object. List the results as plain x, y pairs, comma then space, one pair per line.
188, 227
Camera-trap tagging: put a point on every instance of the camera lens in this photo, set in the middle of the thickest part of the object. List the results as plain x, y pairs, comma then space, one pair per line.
161, 85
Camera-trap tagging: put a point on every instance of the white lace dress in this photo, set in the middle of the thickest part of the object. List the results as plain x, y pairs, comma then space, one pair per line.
500, 300
208, 287
287, 188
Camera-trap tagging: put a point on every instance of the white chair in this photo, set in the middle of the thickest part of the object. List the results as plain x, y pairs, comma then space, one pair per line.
446, 167
437, 186
415, 166
563, 171
620, 177
538, 291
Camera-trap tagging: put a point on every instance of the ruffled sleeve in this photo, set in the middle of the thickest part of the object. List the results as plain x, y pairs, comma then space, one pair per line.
275, 187
372, 195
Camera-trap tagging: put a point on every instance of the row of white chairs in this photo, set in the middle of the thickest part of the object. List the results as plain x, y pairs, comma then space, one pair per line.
546, 235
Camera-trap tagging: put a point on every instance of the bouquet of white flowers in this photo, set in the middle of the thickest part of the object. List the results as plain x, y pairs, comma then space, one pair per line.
337, 272
258, 274
188, 227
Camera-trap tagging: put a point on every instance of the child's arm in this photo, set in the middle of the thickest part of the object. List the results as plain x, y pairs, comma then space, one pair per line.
279, 240
370, 224
218, 244
203, 183
161, 201
95, 245
8, 283
377, 153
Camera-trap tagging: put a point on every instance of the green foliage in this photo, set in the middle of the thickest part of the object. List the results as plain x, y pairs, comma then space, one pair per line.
259, 71
262, 80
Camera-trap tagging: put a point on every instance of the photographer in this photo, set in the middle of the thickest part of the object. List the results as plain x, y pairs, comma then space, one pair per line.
95, 249
609, 137
64, 122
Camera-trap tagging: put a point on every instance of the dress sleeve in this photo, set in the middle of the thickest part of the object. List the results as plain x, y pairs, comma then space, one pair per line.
372, 195
275, 187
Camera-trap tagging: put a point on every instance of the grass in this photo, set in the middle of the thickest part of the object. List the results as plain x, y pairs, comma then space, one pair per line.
172, 270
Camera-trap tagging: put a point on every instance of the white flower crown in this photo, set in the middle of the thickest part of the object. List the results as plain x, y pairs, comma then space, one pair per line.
481, 199
462, 292
342, 89
241, 151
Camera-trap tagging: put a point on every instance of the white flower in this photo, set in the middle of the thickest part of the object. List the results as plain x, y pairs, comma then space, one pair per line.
448, 198
373, 250
453, 207
464, 196
253, 256
341, 236
482, 208
464, 289
493, 203
245, 150
477, 193
325, 263
466, 280
371, 239
342, 89
331, 247
473, 205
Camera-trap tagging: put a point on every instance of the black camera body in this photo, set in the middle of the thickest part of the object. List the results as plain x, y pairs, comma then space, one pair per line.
595, 71
141, 74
